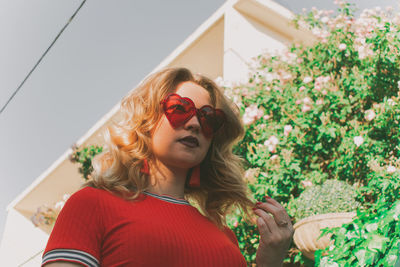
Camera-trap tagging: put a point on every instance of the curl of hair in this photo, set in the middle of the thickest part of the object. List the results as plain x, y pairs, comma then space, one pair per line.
128, 143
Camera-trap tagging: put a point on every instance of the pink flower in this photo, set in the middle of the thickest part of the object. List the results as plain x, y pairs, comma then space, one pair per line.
251, 114
266, 117
274, 140
319, 101
307, 100
369, 115
307, 79
298, 102
306, 108
391, 169
325, 19
342, 47
272, 148
324, 92
306, 183
391, 102
271, 143
235, 224
274, 157
287, 129
358, 140
302, 88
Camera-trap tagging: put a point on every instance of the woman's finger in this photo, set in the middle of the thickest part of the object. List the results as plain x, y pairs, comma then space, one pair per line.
273, 202
280, 215
268, 220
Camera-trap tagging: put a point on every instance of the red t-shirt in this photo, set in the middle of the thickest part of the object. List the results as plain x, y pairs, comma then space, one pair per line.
97, 228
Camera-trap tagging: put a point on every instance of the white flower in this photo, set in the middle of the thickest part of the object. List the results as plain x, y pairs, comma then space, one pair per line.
287, 77
251, 114
306, 108
307, 100
358, 140
306, 183
319, 101
247, 120
391, 102
324, 19
398, 85
272, 148
274, 157
273, 140
266, 117
222, 83
66, 196
59, 205
307, 79
391, 169
342, 47
287, 129
302, 88
369, 115
271, 143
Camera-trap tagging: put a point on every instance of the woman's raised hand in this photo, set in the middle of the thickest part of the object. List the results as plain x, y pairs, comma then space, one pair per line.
276, 233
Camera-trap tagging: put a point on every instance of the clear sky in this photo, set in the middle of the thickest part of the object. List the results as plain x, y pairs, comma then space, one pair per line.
106, 50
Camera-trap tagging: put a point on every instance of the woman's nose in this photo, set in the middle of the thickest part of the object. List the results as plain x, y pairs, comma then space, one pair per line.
193, 124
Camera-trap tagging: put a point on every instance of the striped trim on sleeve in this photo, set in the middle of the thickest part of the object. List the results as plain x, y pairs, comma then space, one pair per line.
71, 255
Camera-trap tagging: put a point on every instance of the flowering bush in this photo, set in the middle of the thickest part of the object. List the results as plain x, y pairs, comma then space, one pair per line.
45, 215
328, 111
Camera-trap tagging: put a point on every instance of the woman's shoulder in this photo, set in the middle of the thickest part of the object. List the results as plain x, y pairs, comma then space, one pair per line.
231, 235
88, 195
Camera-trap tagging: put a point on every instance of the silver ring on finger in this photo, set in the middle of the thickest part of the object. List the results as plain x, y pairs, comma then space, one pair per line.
282, 223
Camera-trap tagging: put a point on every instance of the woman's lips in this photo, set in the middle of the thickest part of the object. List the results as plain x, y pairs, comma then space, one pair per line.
189, 141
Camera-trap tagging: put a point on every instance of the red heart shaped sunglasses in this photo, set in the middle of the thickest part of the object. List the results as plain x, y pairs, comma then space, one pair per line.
180, 110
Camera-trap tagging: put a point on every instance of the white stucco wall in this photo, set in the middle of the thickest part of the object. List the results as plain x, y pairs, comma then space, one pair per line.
22, 243
245, 38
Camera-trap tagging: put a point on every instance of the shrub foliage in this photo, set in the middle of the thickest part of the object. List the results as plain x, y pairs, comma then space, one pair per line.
328, 111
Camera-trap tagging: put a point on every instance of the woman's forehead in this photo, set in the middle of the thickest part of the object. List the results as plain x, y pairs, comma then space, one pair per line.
195, 92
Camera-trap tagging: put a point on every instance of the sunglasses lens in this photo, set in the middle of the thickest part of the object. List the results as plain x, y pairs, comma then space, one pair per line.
177, 110
211, 119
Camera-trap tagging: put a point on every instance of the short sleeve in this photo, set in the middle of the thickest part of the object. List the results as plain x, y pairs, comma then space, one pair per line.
231, 235
78, 231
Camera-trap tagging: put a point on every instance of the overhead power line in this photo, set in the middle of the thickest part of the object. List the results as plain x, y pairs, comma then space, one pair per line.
44, 54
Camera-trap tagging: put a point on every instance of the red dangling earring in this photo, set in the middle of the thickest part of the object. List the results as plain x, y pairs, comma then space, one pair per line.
145, 167
194, 179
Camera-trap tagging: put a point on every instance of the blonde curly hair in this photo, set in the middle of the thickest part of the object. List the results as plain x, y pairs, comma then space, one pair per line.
128, 143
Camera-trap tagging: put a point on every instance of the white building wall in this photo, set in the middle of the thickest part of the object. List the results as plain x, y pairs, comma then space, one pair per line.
244, 38
22, 243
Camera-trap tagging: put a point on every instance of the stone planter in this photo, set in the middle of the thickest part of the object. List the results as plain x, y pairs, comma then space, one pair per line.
308, 230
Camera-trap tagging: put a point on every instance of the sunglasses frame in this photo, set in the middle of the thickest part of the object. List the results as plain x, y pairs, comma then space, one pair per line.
208, 130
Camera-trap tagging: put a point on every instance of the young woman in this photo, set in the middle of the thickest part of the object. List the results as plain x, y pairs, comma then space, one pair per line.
173, 144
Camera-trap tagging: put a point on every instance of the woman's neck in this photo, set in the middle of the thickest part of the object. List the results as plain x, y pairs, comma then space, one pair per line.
167, 181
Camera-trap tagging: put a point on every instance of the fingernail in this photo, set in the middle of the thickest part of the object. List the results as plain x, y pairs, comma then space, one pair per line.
254, 208
258, 203
267, 197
